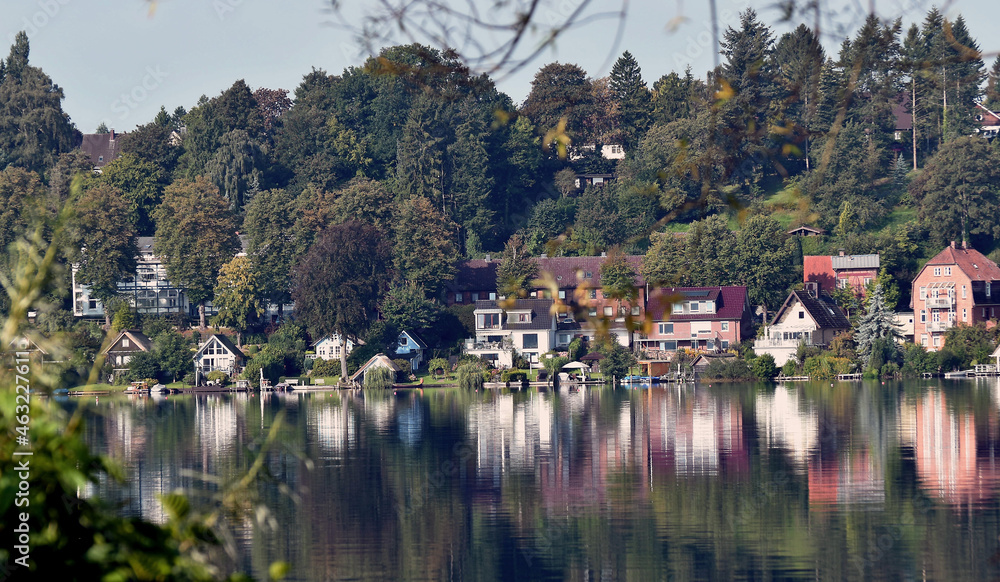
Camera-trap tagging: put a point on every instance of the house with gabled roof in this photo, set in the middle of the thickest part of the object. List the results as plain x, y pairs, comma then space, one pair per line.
218, 354
527, 327
329, 347
958, 285
808, 317
102, 148
410, 347
707, 319
120, 351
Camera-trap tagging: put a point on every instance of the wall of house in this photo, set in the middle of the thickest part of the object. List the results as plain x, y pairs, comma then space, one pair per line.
944, 307
329, 349
723, 334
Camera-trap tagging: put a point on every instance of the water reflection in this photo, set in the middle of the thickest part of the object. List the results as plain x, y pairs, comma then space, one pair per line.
789, 482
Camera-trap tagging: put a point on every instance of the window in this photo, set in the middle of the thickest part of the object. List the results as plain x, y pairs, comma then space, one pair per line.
92, 304
593, 312
988, 288
923, 316
475, 296
937, 341
710, 344
458, 297
125, 342
947, 271
593, 293
669, 345
493, 296
923, 340
694, 306
489, 320
562, 294
936, 316
937, 271
100, 158
402, 340
923, 293
725, 344
965, 315
588, 275
529, 341
868, 281
725, 326
802, 315
609, 311
635, 310
522, 318
842, 283
666, 328
964, 294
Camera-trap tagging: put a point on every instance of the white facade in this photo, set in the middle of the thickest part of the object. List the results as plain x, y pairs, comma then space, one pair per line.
527, 329
329, 347
794, 325
217, 354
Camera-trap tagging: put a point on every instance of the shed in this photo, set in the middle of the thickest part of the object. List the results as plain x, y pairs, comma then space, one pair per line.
376, 361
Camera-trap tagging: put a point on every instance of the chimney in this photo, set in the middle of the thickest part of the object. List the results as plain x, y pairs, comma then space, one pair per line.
112, 134
952, 244
604, 254
487, 257
965, 244
841, 252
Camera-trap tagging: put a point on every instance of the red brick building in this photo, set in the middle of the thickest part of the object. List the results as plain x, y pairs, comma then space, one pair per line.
959, 285
841, 271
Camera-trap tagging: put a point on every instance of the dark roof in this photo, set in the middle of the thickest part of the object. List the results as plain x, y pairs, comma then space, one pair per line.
972, 262
822, 309
904, 119
481, 275
845, 262
416, 339
729, 302
541, 312
806, 228
102, 148
137, 337
228, 343
145, 243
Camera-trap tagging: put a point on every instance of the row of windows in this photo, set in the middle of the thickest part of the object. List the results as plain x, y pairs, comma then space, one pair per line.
947, 271
668, 328
671, 345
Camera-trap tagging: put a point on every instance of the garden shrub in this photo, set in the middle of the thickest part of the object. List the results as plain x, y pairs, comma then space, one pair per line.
513, 375
379, 378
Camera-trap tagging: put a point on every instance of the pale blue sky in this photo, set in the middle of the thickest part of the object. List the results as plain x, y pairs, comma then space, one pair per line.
117, 62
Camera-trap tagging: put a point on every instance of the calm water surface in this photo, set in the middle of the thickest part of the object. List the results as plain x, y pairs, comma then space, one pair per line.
799, 482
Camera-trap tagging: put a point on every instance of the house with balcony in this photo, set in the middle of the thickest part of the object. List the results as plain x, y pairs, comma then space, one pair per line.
808, 317
841, 271
706, 319
218, 354
476, 281
330, 346
958, 285
527, 328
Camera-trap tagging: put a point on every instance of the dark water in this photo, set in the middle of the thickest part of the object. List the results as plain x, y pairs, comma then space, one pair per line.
800, 482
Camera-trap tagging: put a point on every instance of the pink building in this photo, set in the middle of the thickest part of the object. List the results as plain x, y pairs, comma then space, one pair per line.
841, 271
697, 318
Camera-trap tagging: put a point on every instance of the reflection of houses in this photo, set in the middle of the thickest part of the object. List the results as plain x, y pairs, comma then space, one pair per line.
849, 479
944, 445
219, 354
526, 327
410, 347
127, 344
784, 421
956, 286
840, 272
697, 318
807, 317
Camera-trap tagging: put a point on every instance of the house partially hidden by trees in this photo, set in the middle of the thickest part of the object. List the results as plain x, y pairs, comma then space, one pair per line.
840, 271
102, 148
329, 346
958, 285
218, 354
374, 363
527, 328
122, 348
810, 318
711, 319
410, 347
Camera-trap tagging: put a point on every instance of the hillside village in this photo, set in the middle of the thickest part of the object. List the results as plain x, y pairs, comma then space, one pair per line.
784, 215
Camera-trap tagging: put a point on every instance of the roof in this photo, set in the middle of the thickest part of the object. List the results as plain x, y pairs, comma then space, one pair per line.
102, 148
729, 302
335, 336
703, 359
592, 357
137, 337
904, 119
972, 262
226, 342
805, 228
480, 274
23, 343
541, 312
415, 338
854, 262
823, 310
377, 358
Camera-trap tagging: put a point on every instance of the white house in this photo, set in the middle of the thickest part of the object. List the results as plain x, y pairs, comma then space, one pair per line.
410, 347
218, 354
329, 347
808, 317
527, 328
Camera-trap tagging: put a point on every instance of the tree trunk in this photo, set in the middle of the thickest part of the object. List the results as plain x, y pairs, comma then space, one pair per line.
201, 314
107, 318
343, 358
239, 339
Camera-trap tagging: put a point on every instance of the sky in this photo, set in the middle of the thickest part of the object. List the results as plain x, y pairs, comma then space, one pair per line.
118, 61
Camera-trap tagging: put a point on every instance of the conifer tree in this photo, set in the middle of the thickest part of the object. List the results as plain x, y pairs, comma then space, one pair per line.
877, 324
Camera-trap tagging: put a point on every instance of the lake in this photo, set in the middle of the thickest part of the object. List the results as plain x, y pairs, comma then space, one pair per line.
806, 481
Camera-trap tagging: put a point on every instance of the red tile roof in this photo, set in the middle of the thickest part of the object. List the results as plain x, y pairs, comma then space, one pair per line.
481, 275
728, 307
972, 262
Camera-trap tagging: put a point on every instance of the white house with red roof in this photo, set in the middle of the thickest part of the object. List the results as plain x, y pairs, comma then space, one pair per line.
711, 319
958, 285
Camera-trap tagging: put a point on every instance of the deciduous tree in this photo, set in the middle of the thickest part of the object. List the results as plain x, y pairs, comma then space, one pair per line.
239, 296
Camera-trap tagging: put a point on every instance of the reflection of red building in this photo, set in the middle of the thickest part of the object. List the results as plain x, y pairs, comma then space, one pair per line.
852, 478
945, 451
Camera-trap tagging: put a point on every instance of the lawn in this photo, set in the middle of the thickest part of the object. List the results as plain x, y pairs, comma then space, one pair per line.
99, 388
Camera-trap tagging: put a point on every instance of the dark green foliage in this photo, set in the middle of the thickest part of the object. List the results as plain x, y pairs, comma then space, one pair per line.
917, 360
406, 308
472, 375
173, 354
517, 269
577, 349
272, 245
141, 185
271, 360
289, 341
143, 365
379, 378
633, 98
730, 369
969, 343
152, 144
560, 91
513, 375
617, 360
763, 367
424, 251
325, 368
107, 239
